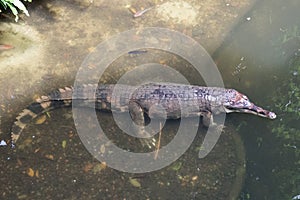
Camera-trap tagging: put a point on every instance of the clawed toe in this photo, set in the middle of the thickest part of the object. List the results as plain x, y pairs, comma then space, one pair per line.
148, 142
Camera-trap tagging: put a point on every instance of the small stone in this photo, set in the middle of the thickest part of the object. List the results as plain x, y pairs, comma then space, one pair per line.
295, 73
3, 143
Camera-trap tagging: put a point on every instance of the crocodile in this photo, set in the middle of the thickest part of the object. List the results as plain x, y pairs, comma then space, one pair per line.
196, 100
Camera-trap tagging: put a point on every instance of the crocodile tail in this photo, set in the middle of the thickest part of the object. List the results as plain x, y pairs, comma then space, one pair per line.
56, 99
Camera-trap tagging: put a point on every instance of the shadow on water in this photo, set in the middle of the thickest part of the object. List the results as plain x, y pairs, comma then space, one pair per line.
261, 58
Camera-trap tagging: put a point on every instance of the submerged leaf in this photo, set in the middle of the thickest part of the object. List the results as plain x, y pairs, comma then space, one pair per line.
177, 166
49, 156
88, 167
41, 119
99, 167
64, 144
135, 182
30, 172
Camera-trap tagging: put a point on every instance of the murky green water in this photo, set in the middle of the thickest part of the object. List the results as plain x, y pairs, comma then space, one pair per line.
262, 59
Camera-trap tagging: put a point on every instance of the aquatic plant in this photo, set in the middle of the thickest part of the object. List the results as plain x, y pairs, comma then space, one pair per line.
287, 130
286, 44
14, 5
290, 33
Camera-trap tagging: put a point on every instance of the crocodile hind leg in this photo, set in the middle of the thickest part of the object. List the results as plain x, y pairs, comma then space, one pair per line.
207, 119
137, 115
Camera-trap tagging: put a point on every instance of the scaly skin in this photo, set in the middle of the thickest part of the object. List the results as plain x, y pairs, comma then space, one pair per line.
177, 100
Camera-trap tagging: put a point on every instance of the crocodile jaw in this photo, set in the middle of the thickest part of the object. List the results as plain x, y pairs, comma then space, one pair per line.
253, 109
